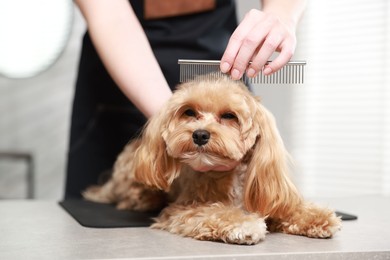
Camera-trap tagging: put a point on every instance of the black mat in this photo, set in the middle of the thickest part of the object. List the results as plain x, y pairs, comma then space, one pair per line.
346, 216
98, 215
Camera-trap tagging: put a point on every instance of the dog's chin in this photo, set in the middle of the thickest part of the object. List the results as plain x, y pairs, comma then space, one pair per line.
203, 162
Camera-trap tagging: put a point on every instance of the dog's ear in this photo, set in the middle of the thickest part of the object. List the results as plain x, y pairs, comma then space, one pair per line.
268, 189
152, 165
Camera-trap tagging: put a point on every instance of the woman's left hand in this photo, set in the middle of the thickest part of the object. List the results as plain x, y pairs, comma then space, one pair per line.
253, 42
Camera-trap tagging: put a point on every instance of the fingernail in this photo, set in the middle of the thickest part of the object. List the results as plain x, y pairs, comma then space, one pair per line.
267, 71
250, 72
235, 74
225, 67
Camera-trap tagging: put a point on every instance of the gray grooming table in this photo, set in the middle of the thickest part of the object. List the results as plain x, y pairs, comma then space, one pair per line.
44, 230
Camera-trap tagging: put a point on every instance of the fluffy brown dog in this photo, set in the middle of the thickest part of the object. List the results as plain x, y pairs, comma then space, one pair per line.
215, 155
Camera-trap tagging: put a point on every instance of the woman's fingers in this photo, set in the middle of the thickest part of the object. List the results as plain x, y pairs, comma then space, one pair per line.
254, 41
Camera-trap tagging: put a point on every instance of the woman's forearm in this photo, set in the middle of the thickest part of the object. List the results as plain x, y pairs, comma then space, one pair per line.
289, 11
126, 53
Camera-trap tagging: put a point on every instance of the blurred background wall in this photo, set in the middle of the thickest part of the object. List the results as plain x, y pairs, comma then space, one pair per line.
336, 125
34, 119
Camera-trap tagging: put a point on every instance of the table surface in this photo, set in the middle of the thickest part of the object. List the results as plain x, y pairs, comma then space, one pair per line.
43, 230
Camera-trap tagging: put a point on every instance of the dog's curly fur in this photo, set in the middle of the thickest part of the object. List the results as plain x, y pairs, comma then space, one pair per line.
214, 161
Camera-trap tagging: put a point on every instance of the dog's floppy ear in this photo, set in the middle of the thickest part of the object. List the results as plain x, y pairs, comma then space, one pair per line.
268, 189
152, 165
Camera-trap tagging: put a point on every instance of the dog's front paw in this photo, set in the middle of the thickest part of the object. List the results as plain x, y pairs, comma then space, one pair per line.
312, 221
326, 229
247, 233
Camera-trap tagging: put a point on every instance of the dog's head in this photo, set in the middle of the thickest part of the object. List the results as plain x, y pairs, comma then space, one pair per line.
215, 124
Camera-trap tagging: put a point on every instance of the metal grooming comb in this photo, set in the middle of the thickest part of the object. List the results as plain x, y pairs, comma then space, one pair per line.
292, 73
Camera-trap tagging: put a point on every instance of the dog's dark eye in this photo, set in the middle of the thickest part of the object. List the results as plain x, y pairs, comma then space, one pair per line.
228, 116
190, 112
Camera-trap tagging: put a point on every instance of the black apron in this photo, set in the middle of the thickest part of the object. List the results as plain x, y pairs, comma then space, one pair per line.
103, 119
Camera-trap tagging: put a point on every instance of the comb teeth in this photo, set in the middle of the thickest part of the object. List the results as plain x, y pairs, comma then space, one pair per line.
292, 73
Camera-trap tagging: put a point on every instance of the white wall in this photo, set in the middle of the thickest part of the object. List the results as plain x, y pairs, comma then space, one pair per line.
34, 118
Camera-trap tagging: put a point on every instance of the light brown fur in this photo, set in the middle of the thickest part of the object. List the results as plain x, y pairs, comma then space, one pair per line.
224, 190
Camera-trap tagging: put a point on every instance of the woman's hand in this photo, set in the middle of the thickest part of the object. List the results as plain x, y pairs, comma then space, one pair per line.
258, 36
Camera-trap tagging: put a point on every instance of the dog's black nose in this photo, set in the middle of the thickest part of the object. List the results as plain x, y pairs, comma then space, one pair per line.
201, 137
